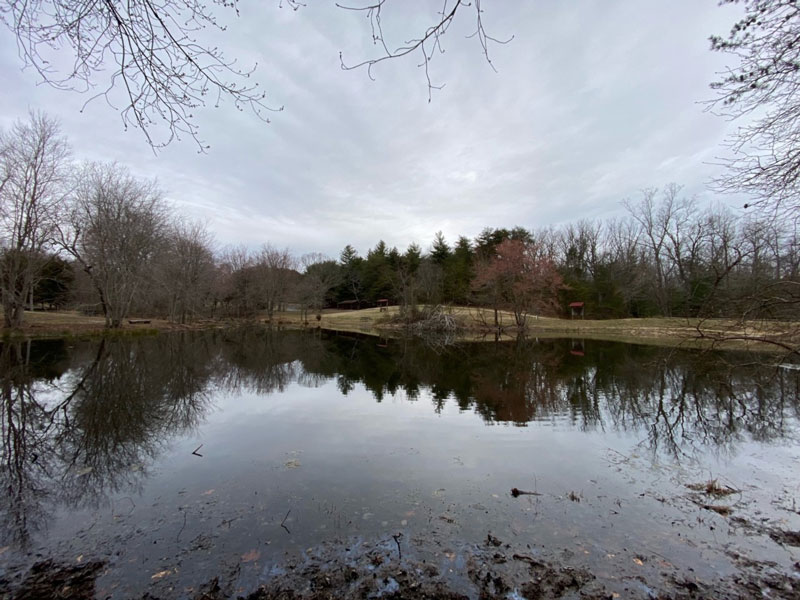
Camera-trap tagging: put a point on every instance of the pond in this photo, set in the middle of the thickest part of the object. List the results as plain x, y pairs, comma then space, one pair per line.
289, 464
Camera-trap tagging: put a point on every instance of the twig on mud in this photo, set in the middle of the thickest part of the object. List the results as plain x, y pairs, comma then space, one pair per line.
396, 537
178, 537
196, 449
229, 521
284, 521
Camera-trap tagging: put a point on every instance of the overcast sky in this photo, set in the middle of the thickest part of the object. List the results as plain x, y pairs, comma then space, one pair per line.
592, 101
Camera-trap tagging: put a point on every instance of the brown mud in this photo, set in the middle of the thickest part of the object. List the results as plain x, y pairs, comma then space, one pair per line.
396, 568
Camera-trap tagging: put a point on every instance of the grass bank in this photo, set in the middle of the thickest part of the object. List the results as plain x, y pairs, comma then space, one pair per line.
68, 323
478, 324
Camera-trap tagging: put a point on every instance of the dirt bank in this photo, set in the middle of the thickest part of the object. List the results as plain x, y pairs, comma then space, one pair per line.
423, 568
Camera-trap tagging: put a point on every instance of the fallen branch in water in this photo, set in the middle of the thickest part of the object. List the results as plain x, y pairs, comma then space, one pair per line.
284, 521
515, 492
396, 538
178, 537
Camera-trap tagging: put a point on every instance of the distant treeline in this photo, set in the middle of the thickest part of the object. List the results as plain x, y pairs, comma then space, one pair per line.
668, 257
97, 238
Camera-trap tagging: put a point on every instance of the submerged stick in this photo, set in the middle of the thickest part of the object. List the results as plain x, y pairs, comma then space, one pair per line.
196, 449
284, 521
516, 492
396, 538
178, 537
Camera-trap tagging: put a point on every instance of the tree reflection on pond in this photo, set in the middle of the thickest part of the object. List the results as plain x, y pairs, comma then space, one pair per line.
83, 421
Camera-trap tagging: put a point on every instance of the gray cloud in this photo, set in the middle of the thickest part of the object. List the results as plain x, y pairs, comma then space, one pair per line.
592, 102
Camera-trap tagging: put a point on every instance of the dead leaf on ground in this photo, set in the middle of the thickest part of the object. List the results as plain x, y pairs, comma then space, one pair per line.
161, 574
638, 561
4, 549
208, 492
292, 464
251, 556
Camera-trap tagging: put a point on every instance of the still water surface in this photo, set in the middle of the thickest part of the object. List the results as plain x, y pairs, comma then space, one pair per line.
180, 457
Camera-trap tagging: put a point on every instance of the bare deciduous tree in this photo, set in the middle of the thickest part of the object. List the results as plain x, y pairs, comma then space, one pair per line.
275, 272
764, 85
660, 221
33, 161
321, 274
116, 225
234, 283
187, 270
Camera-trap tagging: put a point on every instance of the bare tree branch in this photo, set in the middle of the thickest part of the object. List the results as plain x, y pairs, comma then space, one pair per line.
154, 50
764, 87
426, 44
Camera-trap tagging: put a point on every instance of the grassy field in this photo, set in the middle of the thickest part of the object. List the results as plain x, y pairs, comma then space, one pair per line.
478, 324
663, 331
69, 323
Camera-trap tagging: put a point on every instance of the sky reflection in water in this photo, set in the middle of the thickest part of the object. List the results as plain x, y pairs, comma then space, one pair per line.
199, 452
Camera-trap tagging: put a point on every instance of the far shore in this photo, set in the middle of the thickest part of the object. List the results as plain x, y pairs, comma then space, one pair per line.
477, 325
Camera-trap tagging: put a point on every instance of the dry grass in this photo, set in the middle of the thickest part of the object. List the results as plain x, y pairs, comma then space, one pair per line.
68, 322
713, 488
656, 331
725, 511
478, 322
60, 318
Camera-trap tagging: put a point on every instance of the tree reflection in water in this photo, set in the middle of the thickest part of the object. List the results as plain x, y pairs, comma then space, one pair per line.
681, 400
73, 435
80, 424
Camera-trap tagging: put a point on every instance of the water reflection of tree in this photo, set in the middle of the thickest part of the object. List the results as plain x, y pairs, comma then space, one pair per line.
127, 404
680, 400
258, 359
81, 424
25, 427
76, 436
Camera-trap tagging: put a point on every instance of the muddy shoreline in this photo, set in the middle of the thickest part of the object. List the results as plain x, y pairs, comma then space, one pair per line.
420, 567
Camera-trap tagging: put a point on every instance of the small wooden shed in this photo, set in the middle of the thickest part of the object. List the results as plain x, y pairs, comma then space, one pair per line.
383, 304
349, 305
576, 309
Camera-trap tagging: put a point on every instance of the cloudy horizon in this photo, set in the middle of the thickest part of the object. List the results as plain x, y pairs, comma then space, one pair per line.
591, 103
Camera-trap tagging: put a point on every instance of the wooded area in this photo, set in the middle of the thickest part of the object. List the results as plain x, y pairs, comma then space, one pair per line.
99, 239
